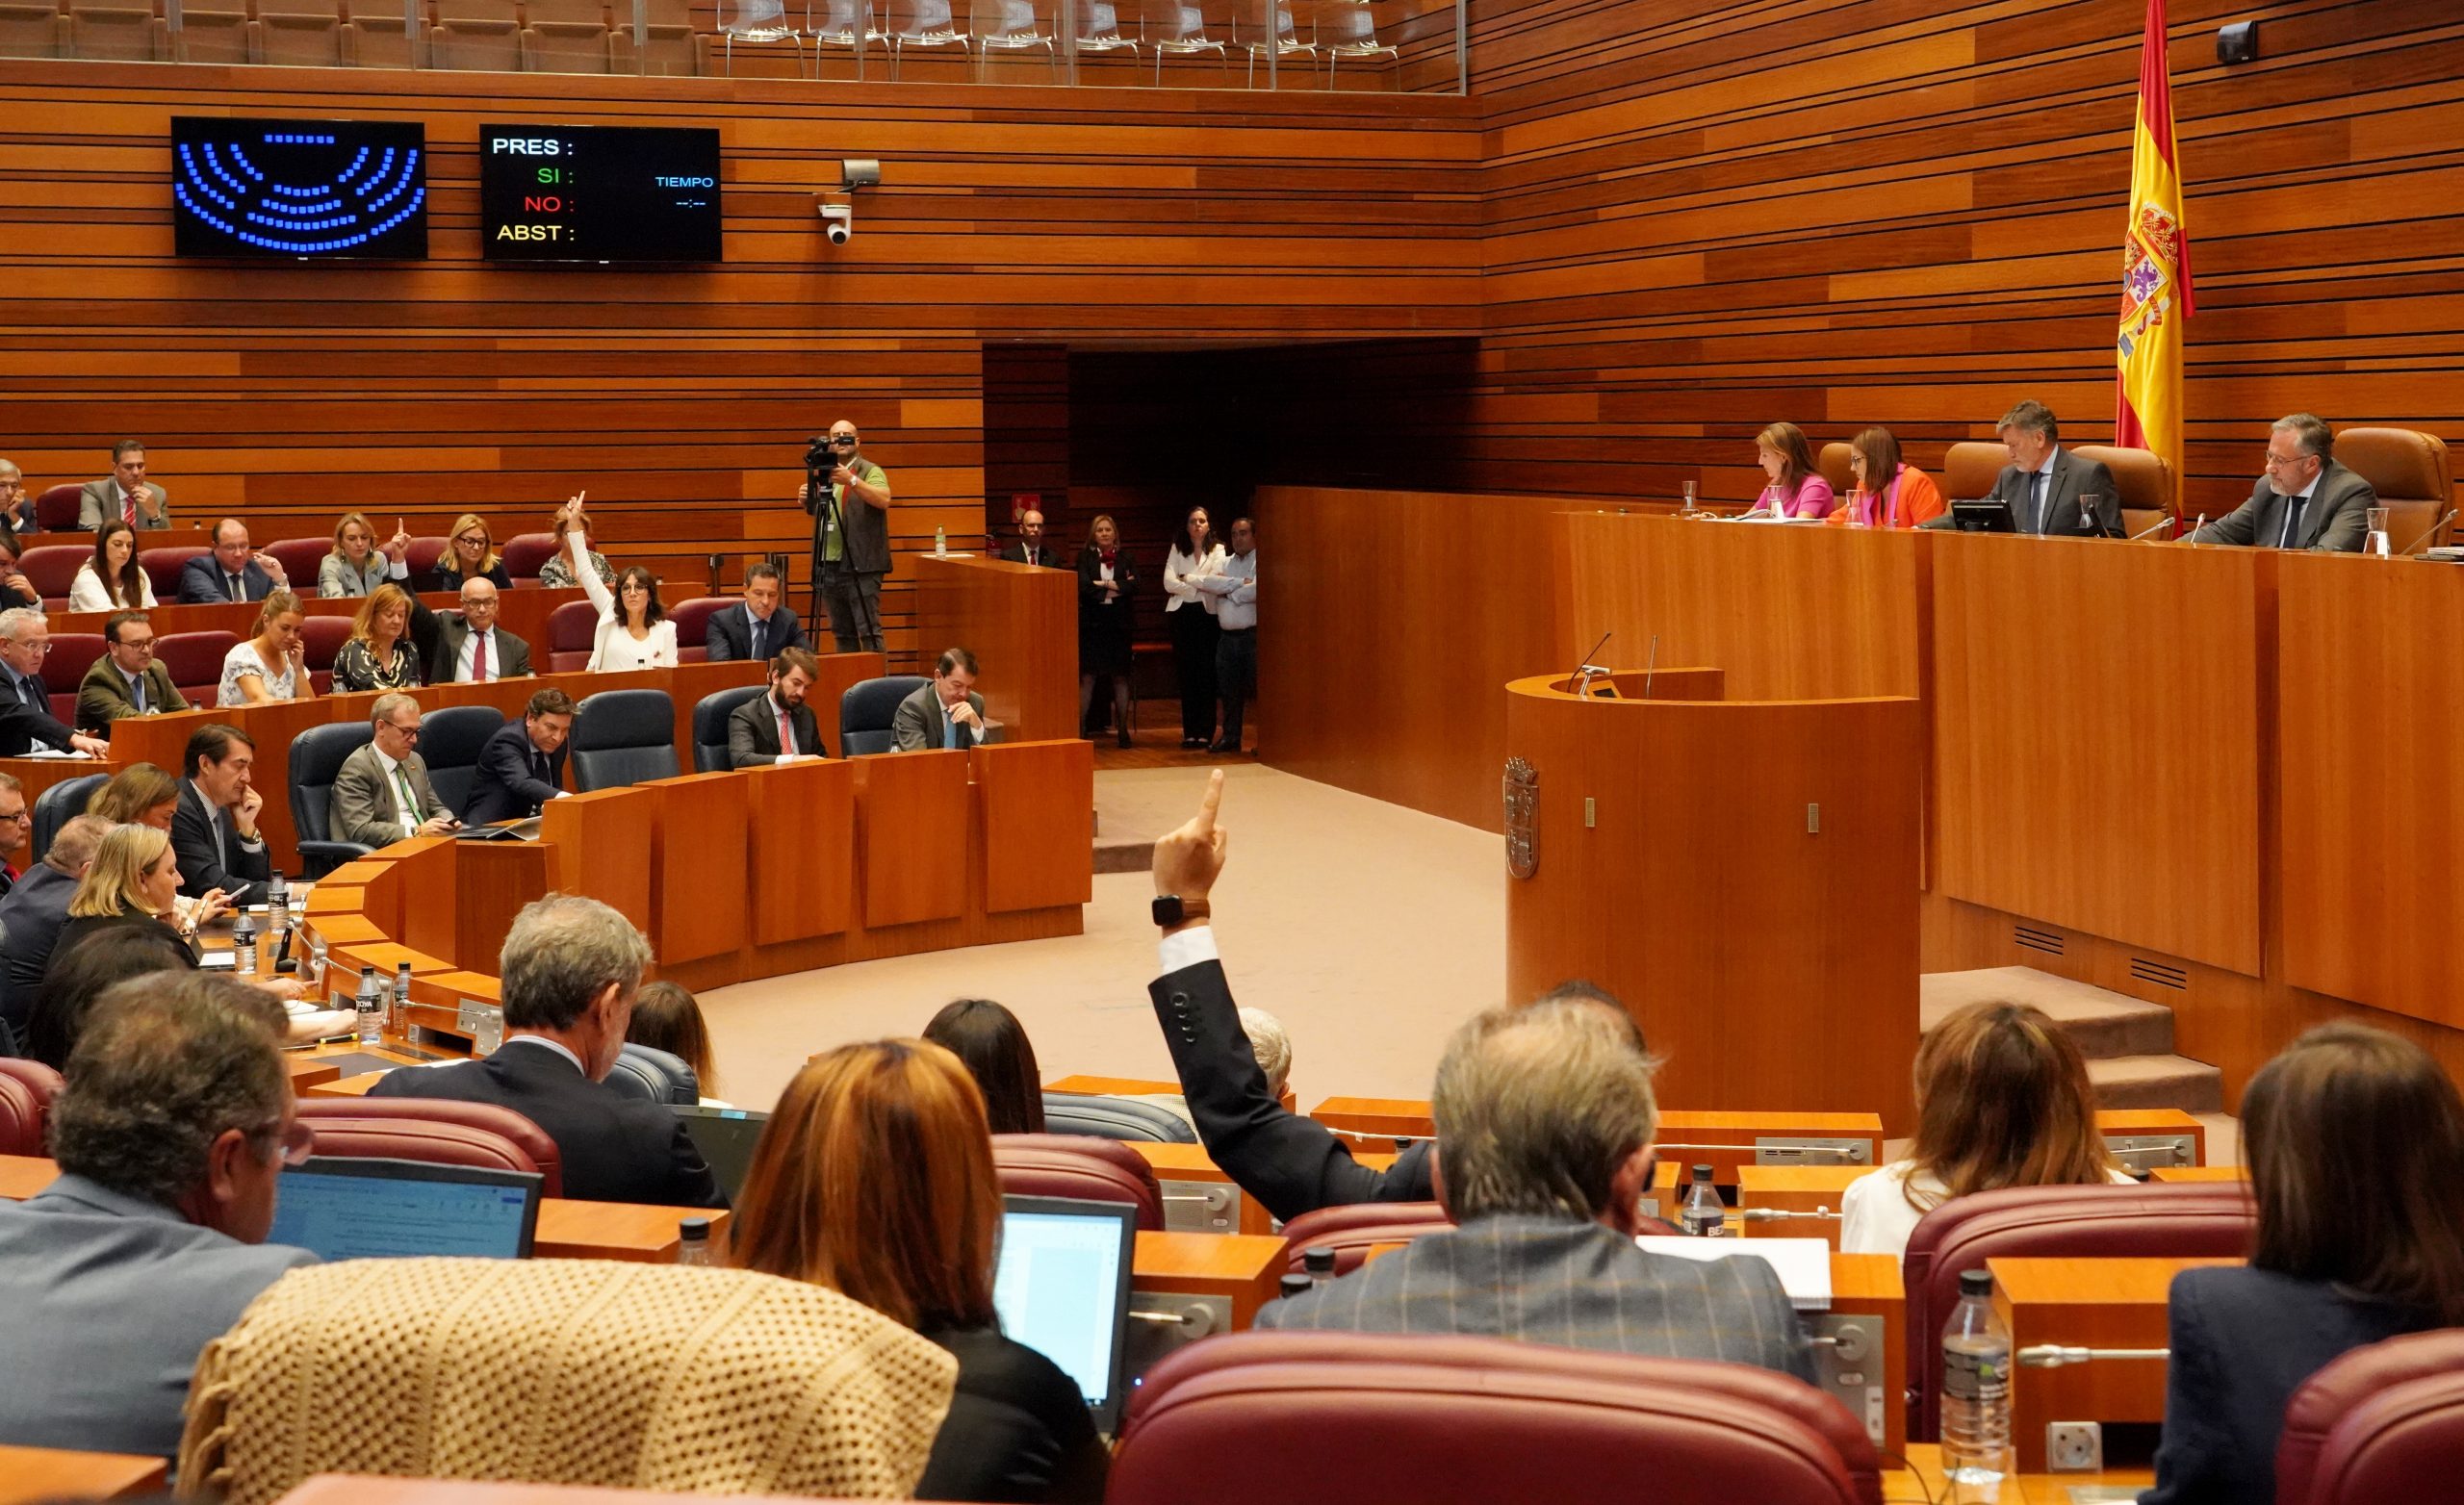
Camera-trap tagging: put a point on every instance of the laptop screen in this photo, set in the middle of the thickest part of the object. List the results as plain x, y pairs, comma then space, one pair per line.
726, 1137
375, 1209
1062, 1288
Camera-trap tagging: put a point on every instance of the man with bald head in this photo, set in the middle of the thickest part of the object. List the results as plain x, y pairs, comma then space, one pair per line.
1028, 548
850, 539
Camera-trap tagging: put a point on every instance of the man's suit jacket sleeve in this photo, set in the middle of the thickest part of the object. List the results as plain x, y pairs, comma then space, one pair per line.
719, 638
808, 728
89, 507
744, 735
2241, 525
792, 634
2351, 524
426, 788
102, 696
1290, 1164
356, 811
517, 655
906, 728
689, 1182
197, 584
18, 719
508, 760
201, 868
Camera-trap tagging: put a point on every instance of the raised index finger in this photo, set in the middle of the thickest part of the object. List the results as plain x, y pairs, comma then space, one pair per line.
1213, 801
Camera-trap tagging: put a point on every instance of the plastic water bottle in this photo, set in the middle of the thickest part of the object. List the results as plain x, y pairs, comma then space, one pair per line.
1976, 1391
940, 543
1318, 1262
693, 1241
401, 1009
277, 908
1704, 1216
244, 946
371, 1008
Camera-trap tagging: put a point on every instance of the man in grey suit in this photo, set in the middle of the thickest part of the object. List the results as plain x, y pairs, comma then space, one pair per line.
2305, 499
172, 1135
947, 713
2048, 487
381, 793
124, 493
778, 727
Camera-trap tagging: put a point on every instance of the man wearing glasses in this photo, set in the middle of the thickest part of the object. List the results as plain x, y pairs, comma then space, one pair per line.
2305, 499
171, 1137
382, 794
15, 827
16, 503
128, 679
851, 542
25, 701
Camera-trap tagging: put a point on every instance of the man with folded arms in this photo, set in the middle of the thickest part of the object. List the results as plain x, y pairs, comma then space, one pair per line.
776, 725
2305, 499
569, 969
522, 767
172, 1135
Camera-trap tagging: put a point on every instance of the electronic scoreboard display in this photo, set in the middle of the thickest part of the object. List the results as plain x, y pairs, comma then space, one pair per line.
310, 189
599, 193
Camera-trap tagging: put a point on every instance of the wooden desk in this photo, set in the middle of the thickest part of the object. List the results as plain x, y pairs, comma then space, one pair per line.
1184, 1169
2154, 1122
21, 1176
2200, 1173
28, 1474
1805, 1189
1922, 1480
1244, 1268
1021, 623
1868, 1286
1724, 1141
333, 1489
570, 1230
2117, 1303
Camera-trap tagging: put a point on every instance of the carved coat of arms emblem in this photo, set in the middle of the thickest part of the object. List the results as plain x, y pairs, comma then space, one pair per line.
1522, 817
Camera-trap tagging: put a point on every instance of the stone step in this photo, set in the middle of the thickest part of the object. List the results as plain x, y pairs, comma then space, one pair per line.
1124, 853
2157, 1080
2103, 1022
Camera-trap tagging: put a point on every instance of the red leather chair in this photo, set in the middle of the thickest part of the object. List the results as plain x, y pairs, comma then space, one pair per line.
1350, 1231
523, 553
1076, 1165
51, 568
72, 654
1394, 1419
195, 662
692, 619
421, 561
572, 628
22, 1119
1832, 462
42, 1083
1970, 468
2410, 472
2146, 480
437, 1131
301, 558
163, 567
2192, 1221
2384, 1422
323, 638
56, 509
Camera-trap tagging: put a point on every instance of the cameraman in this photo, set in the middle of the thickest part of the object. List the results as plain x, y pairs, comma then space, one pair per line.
850, 539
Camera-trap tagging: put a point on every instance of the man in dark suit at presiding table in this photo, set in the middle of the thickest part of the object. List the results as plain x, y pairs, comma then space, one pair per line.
213, 830
945, 713
2305, 499
172, 1135
128, 679
570, 969
232, 572
381, 793
2048, 487
522, 767
755, 629
776, 725
25, 697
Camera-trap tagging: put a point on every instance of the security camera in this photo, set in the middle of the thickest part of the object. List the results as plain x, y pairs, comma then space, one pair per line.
859, 172
838, 223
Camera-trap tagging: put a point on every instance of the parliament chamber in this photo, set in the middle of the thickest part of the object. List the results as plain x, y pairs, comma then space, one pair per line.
1483, 315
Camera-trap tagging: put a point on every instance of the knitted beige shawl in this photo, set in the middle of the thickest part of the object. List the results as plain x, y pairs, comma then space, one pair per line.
562, 1372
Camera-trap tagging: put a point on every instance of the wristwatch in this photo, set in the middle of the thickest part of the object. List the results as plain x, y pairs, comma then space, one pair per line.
1171, 910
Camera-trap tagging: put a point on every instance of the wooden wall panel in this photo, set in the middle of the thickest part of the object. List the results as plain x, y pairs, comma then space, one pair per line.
681, 398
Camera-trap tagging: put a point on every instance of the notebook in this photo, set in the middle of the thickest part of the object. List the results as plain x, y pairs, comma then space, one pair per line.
342, 1208
1062, 1288
1803, 1264
726, 1137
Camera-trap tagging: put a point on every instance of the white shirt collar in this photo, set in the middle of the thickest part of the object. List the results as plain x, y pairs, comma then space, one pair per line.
2307, 492
2050, 455
541, 1040
386, 763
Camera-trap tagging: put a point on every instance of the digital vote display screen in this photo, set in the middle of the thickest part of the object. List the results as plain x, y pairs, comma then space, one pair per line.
599, 193
317, 189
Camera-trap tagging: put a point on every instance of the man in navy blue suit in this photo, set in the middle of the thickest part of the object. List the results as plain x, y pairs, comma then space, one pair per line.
233, 571
25, 698
523, 766
758, 626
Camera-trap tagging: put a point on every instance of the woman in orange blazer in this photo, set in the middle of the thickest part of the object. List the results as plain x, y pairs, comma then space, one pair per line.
1888, 493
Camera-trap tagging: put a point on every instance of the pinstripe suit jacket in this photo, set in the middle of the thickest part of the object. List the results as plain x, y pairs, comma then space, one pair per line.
1577, 1285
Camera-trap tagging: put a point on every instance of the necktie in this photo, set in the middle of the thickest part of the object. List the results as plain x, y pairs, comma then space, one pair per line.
786, 730
32, 695
136, 693
2292, 522
233, 583
2036, 501
539, 766
128, 508
478, 657
221, 836
761, 640
410, 801
949, 730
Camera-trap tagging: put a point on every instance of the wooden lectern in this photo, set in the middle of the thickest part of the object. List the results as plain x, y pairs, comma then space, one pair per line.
1742, 874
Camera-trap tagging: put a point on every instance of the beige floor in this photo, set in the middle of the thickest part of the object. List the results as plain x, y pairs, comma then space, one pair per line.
1371, 929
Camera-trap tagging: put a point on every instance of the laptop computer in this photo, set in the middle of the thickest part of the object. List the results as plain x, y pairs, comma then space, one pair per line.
342, 1208
1062, 1288
726, 1137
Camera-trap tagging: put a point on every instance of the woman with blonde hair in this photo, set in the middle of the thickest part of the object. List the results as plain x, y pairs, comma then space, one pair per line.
471, 554
379, 655
1890, 493
2355, 1143
112, 581
2002, 1100
274, 664
357, 564
874, 1177
137, 795
133, 881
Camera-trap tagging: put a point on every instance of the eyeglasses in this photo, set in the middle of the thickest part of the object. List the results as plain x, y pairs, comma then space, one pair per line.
20, 817
411, 731
471, 540
138, 645
2274, 458
297, 1142
41, 650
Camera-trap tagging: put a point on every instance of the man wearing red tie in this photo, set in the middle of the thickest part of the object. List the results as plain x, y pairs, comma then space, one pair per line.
125, 493
776, 725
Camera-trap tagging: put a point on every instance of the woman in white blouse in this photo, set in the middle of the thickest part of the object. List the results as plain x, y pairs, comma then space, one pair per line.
634, 631
272, 665
1189, 612
2002, 1100
112, 581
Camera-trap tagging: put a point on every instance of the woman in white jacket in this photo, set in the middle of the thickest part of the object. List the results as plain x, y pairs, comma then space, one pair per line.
112, 581
634, 631
1189, 613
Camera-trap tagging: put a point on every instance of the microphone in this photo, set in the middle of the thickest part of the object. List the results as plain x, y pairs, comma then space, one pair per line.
2054, 1356
2161, 523
1586, 669
2429, 532
1770, 1215
1649, 665
2193, 535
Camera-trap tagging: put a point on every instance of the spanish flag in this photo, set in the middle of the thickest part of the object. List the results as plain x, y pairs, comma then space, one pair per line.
2155, 269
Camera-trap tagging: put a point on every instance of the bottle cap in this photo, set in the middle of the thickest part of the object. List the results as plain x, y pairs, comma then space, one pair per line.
693, 1230
1702, 1173
1296, 1284
1317, 1259
1976, 1283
